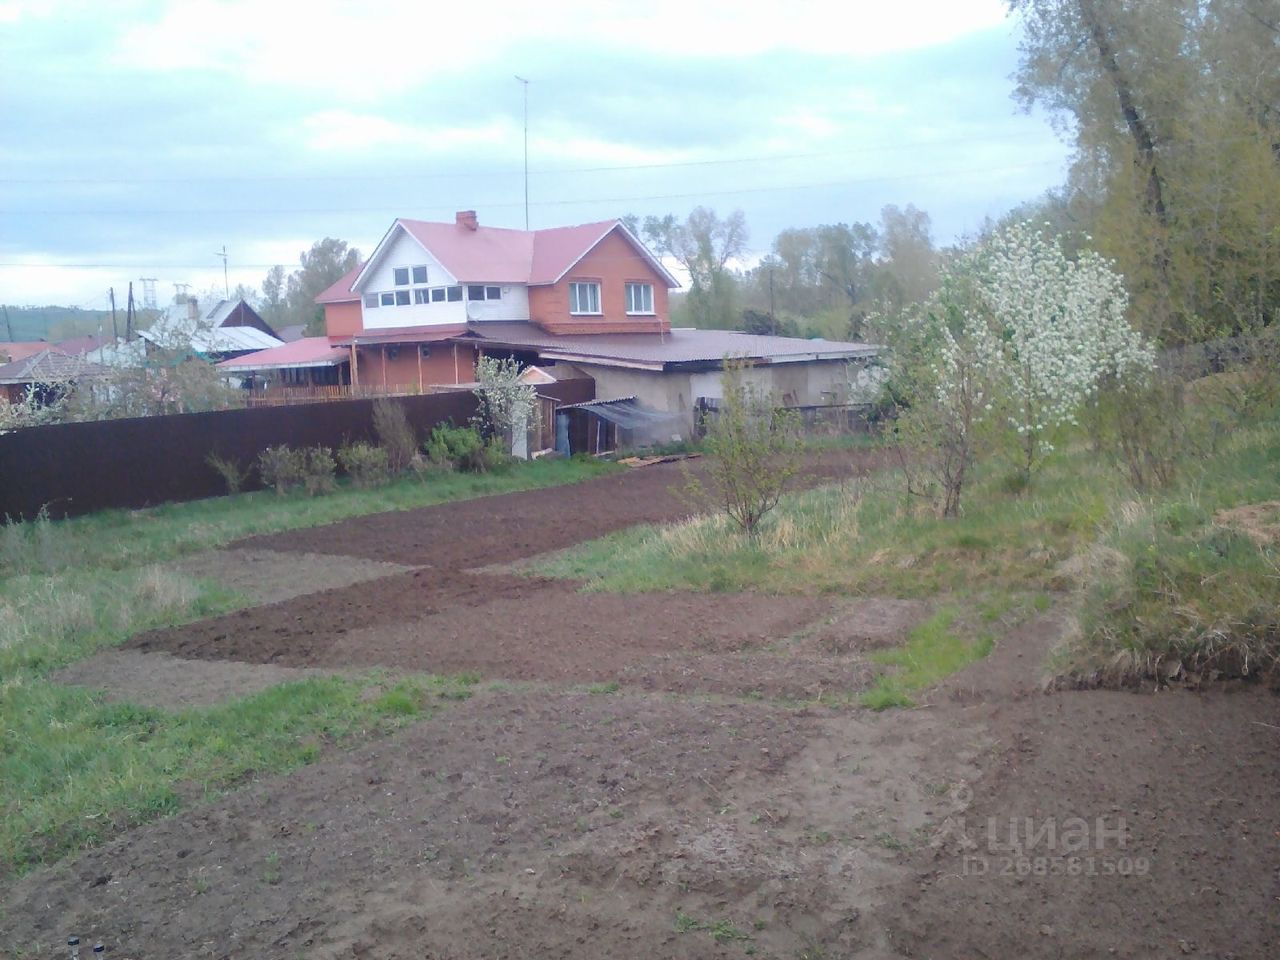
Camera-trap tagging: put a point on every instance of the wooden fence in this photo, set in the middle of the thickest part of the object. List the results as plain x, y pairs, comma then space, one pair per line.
75, 468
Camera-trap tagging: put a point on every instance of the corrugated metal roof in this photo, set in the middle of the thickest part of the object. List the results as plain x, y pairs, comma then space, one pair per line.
49, 366
678, 346
170, 334
307, 352
423, 334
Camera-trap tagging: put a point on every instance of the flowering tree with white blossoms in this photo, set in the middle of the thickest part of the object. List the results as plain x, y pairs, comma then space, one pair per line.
1049, 330
1017, 337
506, 404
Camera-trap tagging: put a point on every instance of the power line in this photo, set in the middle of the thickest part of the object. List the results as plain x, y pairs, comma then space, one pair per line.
494, 205
548, 171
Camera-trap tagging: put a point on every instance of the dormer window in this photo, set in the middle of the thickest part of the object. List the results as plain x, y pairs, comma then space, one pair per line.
584, 297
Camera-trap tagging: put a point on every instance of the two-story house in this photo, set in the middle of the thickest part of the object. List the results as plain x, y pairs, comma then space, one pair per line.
433, 296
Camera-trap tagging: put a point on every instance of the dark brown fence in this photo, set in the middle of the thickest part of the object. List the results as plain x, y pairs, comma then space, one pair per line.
75, 468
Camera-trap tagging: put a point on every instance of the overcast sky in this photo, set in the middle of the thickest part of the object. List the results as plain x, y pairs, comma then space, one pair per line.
137, 138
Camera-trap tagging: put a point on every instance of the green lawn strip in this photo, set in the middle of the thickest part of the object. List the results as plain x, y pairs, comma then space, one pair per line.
75, 770
116, 539
864, 539
934, 650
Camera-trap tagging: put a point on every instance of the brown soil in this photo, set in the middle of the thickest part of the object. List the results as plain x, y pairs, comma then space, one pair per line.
160, 680
267, 576
547, 821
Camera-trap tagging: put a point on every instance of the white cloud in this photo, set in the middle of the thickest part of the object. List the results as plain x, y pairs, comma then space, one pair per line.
348, 131
359, 51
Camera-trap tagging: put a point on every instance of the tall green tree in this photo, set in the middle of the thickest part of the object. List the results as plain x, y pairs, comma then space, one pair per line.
1174, 109
322, 265
705, 245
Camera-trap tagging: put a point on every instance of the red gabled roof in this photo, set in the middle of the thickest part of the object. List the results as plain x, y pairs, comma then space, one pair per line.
340, 290
20, 350
501, 255
307, 351
484, 254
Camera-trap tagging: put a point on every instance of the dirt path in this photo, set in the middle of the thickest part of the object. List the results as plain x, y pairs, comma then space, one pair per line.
692, 811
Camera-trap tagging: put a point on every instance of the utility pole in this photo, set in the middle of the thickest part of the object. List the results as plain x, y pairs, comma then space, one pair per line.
8, 325
773, 317
128, 316
525, 83
226, 284
115, 331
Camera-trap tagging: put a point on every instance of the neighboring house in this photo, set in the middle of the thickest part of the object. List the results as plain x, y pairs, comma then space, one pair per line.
590, 299
231, 328
80, 346
20, 350
45, 376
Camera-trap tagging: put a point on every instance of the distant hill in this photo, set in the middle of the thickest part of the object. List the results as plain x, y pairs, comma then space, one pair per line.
58, 323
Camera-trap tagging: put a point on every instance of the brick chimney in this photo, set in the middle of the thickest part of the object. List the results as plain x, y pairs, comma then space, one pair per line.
466, 218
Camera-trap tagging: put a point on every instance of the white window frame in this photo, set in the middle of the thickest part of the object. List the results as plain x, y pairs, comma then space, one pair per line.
492, 292
395, 276
589, 288
422, 295
646, 290
403, 299
388, 298
413, 273
371, 300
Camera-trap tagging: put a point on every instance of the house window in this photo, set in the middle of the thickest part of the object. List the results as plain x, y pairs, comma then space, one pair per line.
419, 274
493, 293
639, 298
584, 297
370, 300
422, 295
388, 299
475, 293
402, 298
437, 294
455, 294
402, 276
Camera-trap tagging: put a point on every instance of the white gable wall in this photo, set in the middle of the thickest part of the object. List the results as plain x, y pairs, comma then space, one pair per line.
402, 250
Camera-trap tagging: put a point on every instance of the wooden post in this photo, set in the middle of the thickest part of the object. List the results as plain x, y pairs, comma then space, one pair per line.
384, 366
355, 374
455, 364
418, 348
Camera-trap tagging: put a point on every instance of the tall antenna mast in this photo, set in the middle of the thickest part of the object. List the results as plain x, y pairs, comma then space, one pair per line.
226, 283
525, 83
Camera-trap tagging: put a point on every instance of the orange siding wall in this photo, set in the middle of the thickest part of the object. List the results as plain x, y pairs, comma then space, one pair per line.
342, 319
613, 262
403, 370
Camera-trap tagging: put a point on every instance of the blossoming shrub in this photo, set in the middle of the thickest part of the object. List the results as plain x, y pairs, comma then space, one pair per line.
1006, 353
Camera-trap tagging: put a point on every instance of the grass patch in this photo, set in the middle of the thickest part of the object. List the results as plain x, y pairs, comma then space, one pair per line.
77, 770
934, 650
721, 931
1182, 579
118, 539
865, 538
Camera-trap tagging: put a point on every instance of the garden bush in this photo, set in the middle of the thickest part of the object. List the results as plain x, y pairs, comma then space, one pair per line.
365, 464
395, 434
320, 470
462, 448
283, 467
